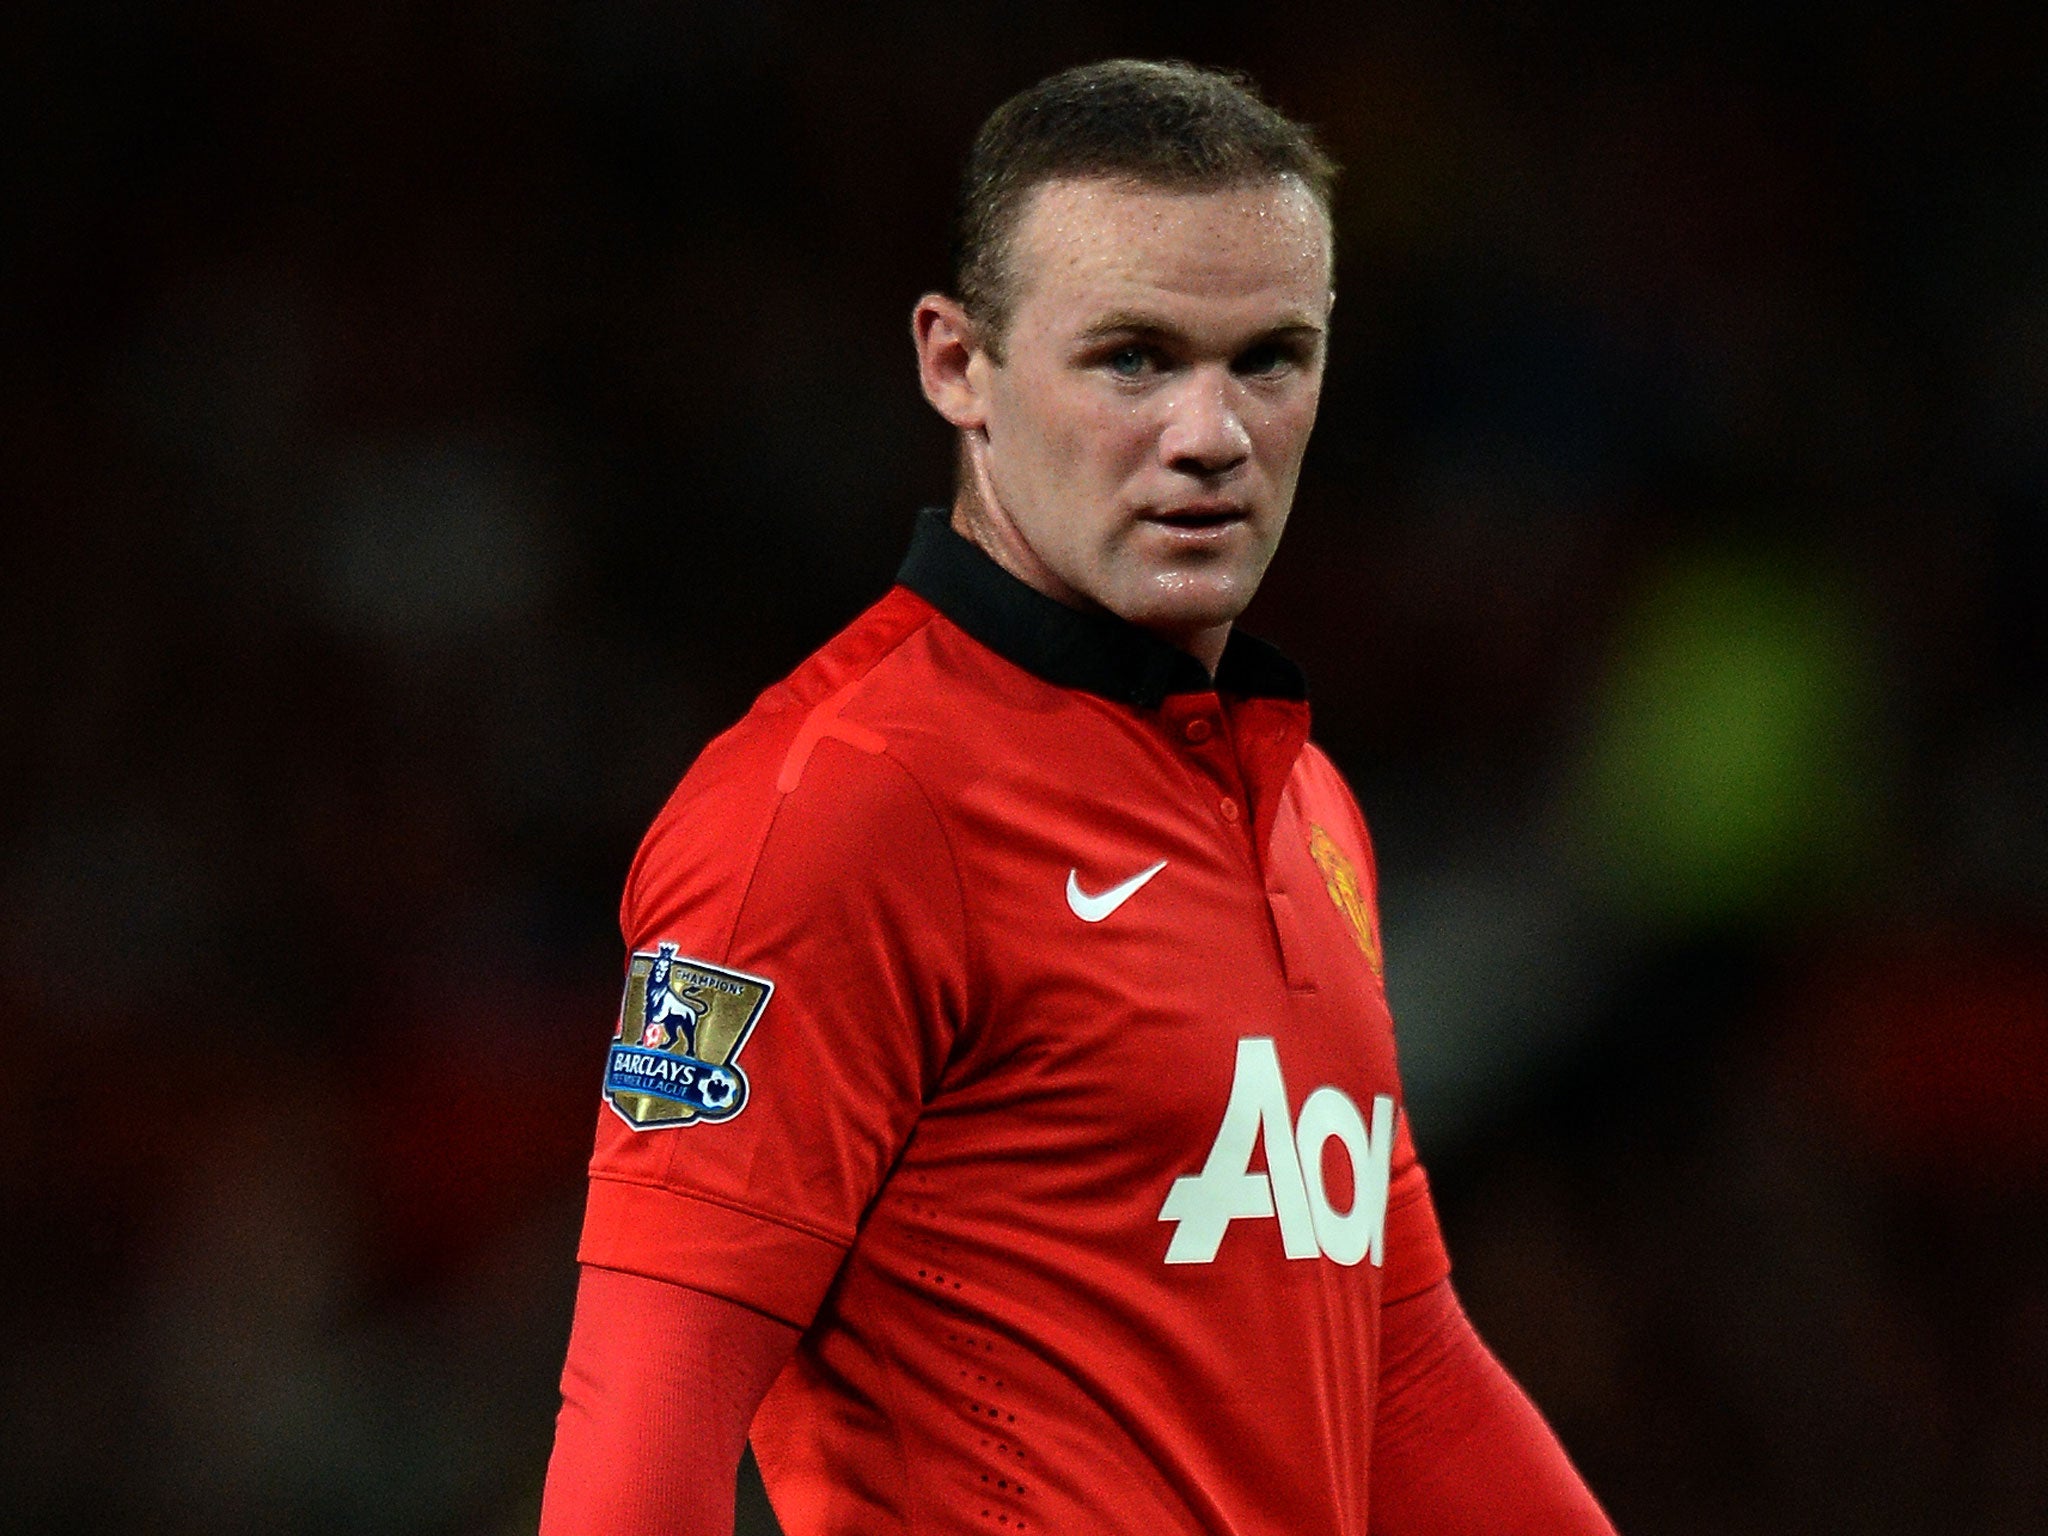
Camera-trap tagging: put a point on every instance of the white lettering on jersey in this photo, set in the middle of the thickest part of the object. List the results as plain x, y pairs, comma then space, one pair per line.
1203, 1205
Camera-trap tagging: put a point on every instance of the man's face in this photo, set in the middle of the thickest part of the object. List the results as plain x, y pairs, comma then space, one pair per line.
1141, 438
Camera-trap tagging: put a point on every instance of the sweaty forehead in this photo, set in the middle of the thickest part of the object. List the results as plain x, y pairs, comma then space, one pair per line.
1096, 238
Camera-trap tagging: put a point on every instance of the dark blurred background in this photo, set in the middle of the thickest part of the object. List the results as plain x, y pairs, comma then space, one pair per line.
424, 425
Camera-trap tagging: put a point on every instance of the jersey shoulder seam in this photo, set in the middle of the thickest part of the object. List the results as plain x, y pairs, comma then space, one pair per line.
846, 694
924, 797
968, 956
647, 842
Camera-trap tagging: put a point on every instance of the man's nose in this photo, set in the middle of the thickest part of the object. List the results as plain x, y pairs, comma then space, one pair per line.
1204, 432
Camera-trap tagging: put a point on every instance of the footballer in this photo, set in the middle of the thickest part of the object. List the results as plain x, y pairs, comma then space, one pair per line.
1002, 1126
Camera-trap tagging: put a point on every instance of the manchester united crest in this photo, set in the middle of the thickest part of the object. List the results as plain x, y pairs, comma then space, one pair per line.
681, 1026
1340, 879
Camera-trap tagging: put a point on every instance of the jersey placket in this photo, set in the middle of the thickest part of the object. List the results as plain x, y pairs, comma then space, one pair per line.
1203, 730
1267, 736
1243, 805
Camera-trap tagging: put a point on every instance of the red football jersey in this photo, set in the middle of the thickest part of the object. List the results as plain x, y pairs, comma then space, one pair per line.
1005, 1010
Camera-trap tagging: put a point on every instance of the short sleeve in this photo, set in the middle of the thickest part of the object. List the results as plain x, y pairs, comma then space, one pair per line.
841, 896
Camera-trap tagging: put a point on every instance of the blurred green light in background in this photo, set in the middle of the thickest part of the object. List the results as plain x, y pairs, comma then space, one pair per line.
1732, 766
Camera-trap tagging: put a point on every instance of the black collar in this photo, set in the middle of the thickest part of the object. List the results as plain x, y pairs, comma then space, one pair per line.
1093, 651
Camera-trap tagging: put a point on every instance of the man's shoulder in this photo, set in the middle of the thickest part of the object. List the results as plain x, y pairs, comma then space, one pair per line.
1326, 801
758, 756
838, 755
903, 675
900, 672
1316, 773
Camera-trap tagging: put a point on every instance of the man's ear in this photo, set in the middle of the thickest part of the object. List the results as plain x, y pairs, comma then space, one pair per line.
947, 347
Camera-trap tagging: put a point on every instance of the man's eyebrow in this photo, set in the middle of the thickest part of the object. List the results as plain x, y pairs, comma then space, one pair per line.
1129, 323
1293, 330
1151, 328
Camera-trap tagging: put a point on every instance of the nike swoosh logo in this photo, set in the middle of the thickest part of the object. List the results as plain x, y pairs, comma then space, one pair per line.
1093, 909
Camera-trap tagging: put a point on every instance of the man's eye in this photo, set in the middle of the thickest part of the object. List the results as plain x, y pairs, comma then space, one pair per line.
1128, 362
1261, 360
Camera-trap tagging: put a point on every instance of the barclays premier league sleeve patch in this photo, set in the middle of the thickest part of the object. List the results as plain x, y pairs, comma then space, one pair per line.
681, 1026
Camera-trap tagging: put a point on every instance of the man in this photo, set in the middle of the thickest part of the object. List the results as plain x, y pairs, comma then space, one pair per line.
1037, 1161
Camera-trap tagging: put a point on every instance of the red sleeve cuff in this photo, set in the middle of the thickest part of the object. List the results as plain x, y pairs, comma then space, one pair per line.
651, 1230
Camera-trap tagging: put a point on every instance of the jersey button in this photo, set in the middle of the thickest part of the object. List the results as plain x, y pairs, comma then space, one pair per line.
1228, 808
1198, 730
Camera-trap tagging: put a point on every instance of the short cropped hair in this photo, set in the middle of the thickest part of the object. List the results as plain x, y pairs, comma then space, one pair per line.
1170, 125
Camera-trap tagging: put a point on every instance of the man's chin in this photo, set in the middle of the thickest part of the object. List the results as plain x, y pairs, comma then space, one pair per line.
1186, 609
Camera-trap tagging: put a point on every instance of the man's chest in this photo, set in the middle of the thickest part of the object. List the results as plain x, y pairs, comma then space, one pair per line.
1156, 986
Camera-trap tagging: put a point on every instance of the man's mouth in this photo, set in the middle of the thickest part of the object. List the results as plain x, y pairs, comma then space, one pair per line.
1197, 517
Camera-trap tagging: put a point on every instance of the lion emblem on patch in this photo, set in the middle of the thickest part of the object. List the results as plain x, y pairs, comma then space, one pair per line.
681, 1025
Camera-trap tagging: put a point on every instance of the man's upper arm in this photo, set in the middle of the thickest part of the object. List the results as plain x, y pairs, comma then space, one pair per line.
840, 892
